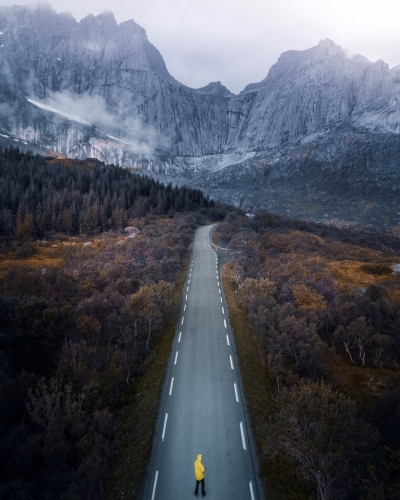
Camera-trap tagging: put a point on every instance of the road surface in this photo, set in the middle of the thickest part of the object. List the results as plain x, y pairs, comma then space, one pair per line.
201, 408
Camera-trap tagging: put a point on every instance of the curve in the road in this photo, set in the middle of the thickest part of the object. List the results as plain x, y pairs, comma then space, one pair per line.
202, 408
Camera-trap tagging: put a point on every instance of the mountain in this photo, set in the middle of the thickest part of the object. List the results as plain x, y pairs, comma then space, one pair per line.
96, 88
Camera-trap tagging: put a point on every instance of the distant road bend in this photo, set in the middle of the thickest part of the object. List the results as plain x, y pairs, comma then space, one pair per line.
201, 408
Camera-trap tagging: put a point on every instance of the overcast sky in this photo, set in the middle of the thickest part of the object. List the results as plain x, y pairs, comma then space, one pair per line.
236, 42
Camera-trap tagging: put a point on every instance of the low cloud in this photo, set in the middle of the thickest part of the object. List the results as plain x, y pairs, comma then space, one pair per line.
92, 110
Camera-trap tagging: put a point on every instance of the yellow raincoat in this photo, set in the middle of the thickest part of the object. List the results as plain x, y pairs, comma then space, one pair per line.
199, 468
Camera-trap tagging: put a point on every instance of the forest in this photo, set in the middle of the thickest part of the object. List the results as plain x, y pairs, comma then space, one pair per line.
84, 306
91, 262
38, 197
316, 315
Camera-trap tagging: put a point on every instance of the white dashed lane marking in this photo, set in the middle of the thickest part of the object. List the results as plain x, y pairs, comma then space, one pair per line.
251, 490
243, 438
236, 392
232, 367
165, 426
155, 486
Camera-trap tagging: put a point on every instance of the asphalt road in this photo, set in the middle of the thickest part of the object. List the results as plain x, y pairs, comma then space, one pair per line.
202, 409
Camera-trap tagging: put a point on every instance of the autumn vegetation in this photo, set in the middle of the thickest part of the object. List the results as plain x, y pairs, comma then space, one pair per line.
87, 318
316, 316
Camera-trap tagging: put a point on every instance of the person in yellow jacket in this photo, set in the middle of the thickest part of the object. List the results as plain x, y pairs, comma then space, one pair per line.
199, 472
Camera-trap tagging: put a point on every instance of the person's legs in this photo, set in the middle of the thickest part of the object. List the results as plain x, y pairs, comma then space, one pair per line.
203, 491
196, 491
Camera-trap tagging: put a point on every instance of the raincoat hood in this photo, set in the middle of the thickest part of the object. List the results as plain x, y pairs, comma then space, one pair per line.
199, 469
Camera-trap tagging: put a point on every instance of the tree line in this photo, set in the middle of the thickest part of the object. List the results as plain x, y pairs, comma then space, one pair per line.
74, 197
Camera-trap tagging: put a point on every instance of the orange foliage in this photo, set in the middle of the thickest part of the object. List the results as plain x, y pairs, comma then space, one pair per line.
307, 300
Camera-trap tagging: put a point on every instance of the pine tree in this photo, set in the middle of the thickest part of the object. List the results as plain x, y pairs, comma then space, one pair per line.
24, 227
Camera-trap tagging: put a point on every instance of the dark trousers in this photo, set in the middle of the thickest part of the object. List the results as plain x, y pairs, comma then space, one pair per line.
196, 491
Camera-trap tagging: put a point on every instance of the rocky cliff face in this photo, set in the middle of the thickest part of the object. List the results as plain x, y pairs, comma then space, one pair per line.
306, 91
47, 55
100, 89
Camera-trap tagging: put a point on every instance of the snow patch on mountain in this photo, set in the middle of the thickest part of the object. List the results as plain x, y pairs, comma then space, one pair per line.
210, 163
119, 140
58, 111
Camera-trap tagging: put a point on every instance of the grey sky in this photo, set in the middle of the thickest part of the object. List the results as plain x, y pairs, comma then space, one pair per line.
236, 42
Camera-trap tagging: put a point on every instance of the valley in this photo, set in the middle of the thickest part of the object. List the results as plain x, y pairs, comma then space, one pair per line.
284, 144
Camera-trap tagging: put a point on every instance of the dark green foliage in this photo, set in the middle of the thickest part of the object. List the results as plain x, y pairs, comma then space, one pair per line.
38, 198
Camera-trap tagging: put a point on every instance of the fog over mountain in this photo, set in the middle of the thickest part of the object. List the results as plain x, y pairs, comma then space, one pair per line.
318, 138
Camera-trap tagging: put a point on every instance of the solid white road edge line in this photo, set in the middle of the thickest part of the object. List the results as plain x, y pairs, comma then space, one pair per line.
180, 333
251, 490
155, 486
165, 426
236, 392
172, 385
243, 438
230, 357
224, 323
227, 340
176, 357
